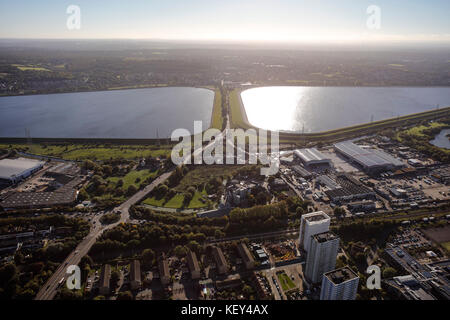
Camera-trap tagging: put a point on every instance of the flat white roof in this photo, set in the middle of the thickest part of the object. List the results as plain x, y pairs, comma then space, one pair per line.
314, 217
311, 154
10, 168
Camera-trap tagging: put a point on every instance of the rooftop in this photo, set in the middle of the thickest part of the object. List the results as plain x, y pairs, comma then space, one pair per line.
367, 157
316, 216
219, 257
244, 252
163, 267
135, 271
311, 154
192, 261
339, 276
325, 236
38, 199
16, 167
105, 276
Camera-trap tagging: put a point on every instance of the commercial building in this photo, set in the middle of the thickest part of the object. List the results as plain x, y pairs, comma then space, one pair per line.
321, 256
350, 190
193, 264
326, 181
219, 258
246, 256
312, 156
362, 206
371, 160
312, 224
135, 275
229, 283
33, 200
409, 287
340, 284
105, 279
164, 273
13, 171
302, 172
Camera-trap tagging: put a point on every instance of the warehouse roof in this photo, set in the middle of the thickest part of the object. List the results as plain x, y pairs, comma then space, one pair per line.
366, 157
18, 200
310, 155
15, 167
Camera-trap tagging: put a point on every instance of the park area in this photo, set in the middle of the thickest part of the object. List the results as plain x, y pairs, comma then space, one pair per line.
286, 283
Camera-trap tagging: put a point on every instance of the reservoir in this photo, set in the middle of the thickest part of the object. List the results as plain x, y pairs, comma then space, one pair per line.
318, 109
139, 113
442, 139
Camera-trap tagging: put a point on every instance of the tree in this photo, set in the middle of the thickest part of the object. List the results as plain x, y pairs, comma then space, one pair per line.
194, 246
179, 251
7, 273
147, 257
247, 291
339, 212
86, 261
131, 190
127, 295
389, 273
115, 276
83, 195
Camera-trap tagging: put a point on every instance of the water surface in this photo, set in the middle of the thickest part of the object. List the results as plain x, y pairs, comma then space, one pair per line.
140, 113
442, 140
317, 109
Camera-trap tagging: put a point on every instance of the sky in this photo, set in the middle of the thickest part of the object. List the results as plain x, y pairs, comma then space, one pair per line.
247, 20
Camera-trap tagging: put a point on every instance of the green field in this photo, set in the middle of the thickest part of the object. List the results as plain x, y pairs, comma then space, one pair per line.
135, 178
286, 283
446, 245
91, 152
177, 202
30, 68
201, 175
418, 131
131, 178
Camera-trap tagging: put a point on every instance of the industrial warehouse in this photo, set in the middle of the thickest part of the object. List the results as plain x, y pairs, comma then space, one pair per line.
372, 161
312, 157
13, 171
56, 184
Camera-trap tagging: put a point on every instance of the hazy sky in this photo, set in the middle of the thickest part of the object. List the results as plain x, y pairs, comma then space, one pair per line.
284, 20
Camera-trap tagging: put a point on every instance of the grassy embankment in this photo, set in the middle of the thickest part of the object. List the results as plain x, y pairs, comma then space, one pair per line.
91, 151
216, 118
